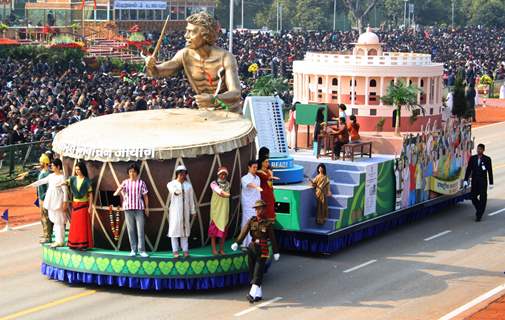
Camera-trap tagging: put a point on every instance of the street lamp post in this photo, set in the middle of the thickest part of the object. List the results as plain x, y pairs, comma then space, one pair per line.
334, 14
242, 14
405, 14
452, 14
230, 35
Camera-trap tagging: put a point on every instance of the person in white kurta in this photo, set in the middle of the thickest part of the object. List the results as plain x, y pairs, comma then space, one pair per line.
502, 91
182, 207
251, 192
56, 201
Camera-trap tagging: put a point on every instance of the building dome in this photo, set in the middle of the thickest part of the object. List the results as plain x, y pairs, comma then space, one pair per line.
368, 38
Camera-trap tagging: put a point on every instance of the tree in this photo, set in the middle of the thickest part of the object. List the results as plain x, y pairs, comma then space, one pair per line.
393, 10
459, 103
310, 14
490, 14
359, 10
400, 95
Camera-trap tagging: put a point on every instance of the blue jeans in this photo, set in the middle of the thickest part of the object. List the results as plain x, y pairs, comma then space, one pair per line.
135, 225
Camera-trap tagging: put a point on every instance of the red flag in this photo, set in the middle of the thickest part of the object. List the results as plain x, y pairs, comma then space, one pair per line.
84, 2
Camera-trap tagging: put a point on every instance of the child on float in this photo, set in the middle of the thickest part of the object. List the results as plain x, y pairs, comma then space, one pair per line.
135, 205
219, 210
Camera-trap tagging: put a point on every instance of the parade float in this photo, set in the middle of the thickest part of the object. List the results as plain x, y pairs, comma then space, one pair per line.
421, 174
161, 140
370, 195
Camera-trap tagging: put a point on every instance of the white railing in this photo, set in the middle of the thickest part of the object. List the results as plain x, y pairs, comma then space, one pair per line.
387, 59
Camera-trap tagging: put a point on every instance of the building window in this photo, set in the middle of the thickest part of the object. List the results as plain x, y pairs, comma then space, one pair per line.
334, 82
372, 52
392, 83
354, 111
320, 80
373, 83
319, 94
372, 97
334, 95
355, 83
373, 112
422, 83
431, 111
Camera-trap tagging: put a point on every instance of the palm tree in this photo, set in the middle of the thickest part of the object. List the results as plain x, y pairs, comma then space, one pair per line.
400, 95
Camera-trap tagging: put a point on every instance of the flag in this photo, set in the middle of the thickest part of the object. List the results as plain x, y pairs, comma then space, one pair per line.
36, 203
84, 2
5, 215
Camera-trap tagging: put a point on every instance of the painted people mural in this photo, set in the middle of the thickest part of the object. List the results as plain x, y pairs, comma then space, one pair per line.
433, 162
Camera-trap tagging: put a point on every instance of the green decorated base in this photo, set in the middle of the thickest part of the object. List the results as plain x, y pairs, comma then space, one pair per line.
200, 263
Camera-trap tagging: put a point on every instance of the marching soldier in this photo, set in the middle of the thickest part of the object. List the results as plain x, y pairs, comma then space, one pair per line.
258, 251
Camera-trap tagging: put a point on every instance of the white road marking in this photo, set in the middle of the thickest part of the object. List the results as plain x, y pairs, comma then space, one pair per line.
473, 303
264, 304
21, 227
443, 233
496, 212
488, 125
360, 266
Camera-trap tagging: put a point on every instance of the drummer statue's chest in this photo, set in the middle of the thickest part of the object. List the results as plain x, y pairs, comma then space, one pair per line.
205, 69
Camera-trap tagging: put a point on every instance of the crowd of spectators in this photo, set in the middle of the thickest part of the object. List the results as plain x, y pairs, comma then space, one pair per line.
37, 99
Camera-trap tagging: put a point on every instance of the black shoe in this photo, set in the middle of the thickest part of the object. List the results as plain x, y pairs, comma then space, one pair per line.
250, 298
258, 299
478, 219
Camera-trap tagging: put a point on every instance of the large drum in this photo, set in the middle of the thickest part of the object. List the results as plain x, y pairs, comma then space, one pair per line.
159, 141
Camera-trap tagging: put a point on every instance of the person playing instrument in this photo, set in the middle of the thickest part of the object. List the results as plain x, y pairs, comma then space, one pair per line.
204, 64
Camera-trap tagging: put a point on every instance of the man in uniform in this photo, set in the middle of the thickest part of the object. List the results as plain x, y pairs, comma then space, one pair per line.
479, 168
258, 251
204, 64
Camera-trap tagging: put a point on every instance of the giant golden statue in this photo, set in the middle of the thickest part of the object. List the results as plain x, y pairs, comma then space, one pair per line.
211, 71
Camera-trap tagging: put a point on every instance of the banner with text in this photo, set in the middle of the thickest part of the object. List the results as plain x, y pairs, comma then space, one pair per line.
143, 5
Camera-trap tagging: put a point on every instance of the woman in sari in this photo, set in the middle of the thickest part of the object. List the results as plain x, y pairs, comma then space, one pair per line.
80, 236
321, 184
267, 194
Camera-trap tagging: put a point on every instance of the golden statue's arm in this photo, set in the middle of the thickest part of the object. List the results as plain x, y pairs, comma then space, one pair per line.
166, 68
232, 81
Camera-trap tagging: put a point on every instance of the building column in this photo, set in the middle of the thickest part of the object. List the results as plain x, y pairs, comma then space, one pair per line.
353, 89
428, 91
381, 91
339, 89
367, 89
306, 89
327, 91
419, 92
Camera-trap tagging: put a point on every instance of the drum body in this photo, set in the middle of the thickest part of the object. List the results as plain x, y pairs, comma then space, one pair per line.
158, 141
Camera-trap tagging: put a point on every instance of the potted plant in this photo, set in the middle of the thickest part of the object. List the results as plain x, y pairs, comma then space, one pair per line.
399, 95
3, 29
379, 126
